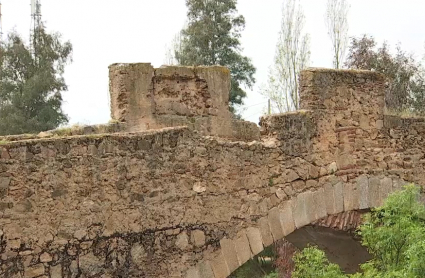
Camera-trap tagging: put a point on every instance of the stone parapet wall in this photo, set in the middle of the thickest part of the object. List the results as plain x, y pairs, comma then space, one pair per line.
146, 98
68, 131
294, 131
175, 203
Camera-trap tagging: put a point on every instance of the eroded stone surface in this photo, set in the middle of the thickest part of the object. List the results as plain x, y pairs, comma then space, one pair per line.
157, 203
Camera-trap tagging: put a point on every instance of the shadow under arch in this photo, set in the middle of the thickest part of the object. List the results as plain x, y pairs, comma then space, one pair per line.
335, 235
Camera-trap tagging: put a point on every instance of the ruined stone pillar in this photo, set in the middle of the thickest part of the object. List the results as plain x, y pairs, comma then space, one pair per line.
131, 90
147, 98
348, 106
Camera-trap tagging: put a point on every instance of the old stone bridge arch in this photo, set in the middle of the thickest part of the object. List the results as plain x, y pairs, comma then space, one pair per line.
283, 219
146, 197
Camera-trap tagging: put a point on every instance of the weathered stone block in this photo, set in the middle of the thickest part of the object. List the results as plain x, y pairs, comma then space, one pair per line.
198, 238
374, 184
56, 271
334, 198
205, 270
275, 223
219, 266
255, 240
287, 218
303, 211
363, 187
339, 197
242, 246
351, 197
193, 273
45, 258
385, 189
34, 271
319, 204
229, 253
4, 182
182, 241
329, 197
266, 234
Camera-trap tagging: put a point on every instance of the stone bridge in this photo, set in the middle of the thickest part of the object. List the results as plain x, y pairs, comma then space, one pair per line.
200, 200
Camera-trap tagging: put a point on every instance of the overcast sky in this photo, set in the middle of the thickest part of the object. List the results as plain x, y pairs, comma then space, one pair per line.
128, 31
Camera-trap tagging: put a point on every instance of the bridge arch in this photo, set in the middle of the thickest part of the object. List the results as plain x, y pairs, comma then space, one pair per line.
364, 192
173, 202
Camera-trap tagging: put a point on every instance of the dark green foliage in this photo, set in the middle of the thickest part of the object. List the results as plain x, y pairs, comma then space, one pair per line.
394, 234
312, 263
406, 76
212, 37
30, 88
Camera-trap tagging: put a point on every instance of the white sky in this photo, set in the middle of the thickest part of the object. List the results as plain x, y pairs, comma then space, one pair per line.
128, 31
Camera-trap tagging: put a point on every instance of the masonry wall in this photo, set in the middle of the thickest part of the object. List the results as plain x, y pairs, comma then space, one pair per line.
174, 203
146, 98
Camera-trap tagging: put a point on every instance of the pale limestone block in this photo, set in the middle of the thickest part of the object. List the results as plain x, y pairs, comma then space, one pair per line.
255, 240
303, 211
319, 204
309, 206
182, 241
266, 234
286, 217
385, 188
363, 187
275, 224
205, 270
351, 197
379, 124
45, 258
219, 266
198, 238
242, 247
339, 197
374, 184
332, 168
193, 273
329, 198
229, 253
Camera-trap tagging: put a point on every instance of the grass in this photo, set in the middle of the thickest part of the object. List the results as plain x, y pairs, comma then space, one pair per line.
4, 142
66, 131
406, 113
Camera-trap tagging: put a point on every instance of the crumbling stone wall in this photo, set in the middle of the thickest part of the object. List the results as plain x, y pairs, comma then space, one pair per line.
146, 98
174, 203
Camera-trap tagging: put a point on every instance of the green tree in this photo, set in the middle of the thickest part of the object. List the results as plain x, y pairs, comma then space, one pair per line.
405, 75
31, 83
394, 234
212, 37
312, 263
